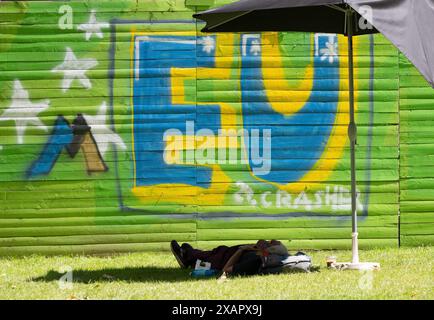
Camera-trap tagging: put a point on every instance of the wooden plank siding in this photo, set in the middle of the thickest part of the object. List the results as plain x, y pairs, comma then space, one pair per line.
112, 137
416, 149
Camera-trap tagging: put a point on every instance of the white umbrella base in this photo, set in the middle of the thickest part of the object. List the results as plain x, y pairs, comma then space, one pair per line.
365, 266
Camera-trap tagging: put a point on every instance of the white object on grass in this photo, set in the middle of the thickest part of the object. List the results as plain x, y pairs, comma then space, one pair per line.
202, 265
355, 264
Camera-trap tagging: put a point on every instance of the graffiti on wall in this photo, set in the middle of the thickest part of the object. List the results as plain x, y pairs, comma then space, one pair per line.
265, 149
218, 122
72, 139
24, 112
88, 133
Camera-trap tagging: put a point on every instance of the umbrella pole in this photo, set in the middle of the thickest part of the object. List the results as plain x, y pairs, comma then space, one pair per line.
352, 133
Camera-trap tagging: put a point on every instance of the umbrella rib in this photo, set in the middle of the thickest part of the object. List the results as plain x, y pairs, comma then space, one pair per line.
229, 20
335, 7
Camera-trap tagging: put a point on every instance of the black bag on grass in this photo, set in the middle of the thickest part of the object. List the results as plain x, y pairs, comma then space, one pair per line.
250, 263
274, 264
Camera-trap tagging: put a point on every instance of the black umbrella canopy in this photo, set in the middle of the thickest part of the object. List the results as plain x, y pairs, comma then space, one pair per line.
327, 16
408, 24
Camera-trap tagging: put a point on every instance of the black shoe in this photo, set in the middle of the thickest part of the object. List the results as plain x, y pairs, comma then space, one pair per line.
186, 246
176, 250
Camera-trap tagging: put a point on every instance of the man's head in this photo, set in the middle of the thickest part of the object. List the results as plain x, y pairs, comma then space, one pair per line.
273, 247
275, 242
263, 244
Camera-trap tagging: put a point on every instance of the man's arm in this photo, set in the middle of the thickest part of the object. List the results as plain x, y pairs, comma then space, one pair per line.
236, 256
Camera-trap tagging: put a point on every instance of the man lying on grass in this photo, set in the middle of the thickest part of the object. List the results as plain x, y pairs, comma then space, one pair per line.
237, 260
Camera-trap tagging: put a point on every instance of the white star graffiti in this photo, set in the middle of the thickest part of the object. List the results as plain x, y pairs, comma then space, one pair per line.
255, 49
208, 44
93, 26
74, 68
330, 52
23, 111
103, 135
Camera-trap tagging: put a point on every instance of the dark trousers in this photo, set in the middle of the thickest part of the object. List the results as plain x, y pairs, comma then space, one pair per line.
217, 257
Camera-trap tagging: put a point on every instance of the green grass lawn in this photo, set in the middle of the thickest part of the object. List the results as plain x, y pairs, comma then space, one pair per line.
405, 274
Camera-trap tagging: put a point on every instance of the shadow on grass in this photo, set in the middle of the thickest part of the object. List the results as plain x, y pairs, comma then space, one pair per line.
139, 274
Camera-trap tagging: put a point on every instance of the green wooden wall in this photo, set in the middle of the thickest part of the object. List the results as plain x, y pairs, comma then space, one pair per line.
122, 127
416, 151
